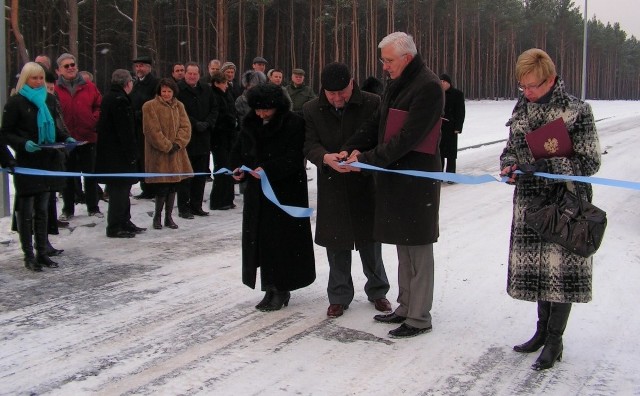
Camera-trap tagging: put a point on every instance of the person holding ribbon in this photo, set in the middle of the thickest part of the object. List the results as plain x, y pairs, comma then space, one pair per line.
540, 271
270, 143
28, 126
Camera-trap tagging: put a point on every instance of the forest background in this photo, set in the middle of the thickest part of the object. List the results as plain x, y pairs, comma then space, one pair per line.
475, 41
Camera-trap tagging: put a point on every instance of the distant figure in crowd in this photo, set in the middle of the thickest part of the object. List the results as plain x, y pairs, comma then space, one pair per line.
177, 72
344, 198
229, 70
200, 107
88, 76
28, 122
372, 85
144, 89
281, 245
213, 66
454, 112
80, 102
275, 76
406, 207
259, 64
222, 139
44, 61
117, 152
167, 132
541, 271
249, 80
298, 92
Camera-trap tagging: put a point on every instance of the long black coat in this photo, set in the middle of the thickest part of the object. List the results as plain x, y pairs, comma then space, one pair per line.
454, 113
116, 149
271, 239
346, 201
19, 124
200, 106
406, 207
224, 130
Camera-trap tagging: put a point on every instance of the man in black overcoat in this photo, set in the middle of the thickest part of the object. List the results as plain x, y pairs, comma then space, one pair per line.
451, 124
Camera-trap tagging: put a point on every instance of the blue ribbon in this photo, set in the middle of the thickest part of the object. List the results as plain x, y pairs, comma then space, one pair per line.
267, 190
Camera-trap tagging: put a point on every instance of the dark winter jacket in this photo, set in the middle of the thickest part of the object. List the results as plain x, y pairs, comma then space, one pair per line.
406, 207
281, 245
200, 106
538, 270
224, 130
346, 201
143, 91
454, 112
299, 96
80, 111
19, 124
116, 150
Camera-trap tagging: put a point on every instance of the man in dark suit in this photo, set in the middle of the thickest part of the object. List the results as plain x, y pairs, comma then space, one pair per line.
452, 124
144, 89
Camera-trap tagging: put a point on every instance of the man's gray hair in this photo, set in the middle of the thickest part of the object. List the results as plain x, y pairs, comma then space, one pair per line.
64, 56
120, 77
402, 43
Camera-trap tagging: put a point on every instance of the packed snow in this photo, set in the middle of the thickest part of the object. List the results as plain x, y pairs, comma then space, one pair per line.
166, 312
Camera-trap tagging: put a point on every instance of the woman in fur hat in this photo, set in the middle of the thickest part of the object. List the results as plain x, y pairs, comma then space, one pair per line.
281, 245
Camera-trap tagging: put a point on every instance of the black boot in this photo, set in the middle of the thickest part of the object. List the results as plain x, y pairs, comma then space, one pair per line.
538, 339
51, 251
157, 215
168, 210
278, 300
44, 260
552, 351
25, 225
268, 295
40, 236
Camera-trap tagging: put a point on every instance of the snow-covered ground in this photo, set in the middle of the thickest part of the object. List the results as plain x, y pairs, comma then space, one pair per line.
166, 312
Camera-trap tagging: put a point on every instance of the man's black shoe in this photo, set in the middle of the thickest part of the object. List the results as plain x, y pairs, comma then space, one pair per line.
406, 331
129, 226
389, 318
199, 212
121, 234
185, 215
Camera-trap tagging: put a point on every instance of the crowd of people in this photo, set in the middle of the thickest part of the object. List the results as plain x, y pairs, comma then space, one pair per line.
171, 126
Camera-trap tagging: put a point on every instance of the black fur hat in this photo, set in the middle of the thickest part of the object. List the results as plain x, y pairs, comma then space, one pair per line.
267, 96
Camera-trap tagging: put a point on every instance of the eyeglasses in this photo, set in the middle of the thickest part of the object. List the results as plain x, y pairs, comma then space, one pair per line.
68, 65
389, 61
522, 88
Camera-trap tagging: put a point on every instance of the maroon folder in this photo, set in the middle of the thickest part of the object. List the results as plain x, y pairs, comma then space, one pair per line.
395, 122
550, 140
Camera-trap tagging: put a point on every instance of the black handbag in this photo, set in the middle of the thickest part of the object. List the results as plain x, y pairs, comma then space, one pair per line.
564, 218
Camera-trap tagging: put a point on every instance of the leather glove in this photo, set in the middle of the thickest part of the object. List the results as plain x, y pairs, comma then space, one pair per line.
202, 126
538, 166
31, 147
174, 148
70, 140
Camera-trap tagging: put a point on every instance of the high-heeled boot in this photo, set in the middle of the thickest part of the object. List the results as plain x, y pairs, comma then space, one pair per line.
24, 222
157, 215
268, 295
168, 220
552, 351
538, 339
40, 236
278, 300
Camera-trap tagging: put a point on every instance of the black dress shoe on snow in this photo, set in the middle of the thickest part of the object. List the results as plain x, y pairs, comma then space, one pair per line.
185, 214
129, 226
389, 318
31, 264
199, 212
45, 261
226, 207
406, 331
121, 234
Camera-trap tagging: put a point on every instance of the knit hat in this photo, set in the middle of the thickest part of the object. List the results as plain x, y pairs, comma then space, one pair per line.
259, 59
227, 65
445, 77
267, 96
335, 77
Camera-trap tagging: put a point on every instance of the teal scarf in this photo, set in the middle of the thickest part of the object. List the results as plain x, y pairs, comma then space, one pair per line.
46, 127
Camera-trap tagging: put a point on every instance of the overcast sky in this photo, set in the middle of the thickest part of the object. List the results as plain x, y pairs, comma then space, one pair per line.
625, 12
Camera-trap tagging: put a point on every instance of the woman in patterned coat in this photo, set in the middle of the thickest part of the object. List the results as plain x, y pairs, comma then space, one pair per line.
538, 270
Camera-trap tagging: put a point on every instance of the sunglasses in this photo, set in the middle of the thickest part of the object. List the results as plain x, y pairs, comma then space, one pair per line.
68, 65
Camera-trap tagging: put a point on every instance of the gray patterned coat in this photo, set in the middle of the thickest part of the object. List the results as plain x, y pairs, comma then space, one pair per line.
538, 270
